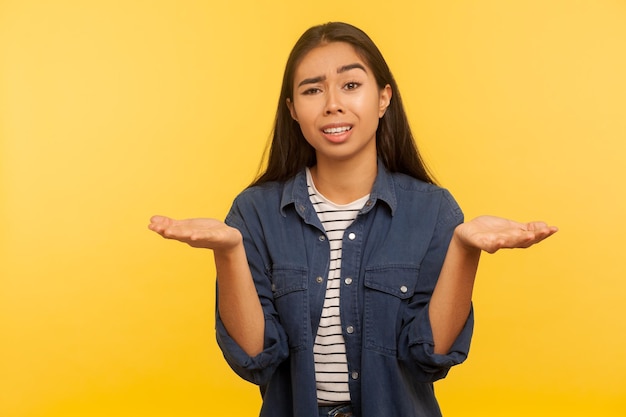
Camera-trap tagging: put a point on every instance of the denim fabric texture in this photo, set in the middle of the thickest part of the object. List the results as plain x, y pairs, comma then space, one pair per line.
392, 256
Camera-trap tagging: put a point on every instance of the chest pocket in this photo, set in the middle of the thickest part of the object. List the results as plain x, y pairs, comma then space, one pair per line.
387, 293
289, 286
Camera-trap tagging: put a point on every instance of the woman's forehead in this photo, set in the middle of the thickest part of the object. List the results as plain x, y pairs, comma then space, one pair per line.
330, 57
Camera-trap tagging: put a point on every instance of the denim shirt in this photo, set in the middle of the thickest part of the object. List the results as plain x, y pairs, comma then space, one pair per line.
392, 256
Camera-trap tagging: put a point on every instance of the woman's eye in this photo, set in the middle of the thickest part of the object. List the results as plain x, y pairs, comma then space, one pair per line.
351, 85
310, 91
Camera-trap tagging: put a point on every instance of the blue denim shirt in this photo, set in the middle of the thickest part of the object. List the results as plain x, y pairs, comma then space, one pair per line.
392, 256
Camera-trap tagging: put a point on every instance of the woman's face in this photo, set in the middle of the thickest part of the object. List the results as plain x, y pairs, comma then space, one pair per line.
337, 103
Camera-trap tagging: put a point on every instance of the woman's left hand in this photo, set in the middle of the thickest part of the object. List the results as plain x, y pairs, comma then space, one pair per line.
490, 233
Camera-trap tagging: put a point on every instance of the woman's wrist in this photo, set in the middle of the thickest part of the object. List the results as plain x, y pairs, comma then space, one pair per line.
462, 244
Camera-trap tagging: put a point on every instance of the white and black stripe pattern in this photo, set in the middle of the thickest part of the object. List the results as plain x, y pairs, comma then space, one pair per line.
331, 368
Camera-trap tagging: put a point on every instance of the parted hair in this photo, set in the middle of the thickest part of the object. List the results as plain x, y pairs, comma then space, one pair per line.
289, 152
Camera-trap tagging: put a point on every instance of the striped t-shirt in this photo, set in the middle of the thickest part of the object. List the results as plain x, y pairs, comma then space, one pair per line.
331, 366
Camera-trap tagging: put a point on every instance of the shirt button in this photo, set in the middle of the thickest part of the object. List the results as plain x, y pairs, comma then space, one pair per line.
368, 203
354, 375
348, 281
319, 280
351, 236
350, 329
322, 238
403, 289
273, 287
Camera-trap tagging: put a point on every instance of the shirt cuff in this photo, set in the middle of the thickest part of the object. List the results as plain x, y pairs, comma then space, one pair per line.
422, 345
256, 369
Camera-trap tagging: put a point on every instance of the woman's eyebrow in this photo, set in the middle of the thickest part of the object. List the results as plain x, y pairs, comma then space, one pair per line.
313, 80
349, 67
344, 68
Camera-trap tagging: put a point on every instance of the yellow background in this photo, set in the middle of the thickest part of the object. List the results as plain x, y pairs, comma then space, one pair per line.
111, 111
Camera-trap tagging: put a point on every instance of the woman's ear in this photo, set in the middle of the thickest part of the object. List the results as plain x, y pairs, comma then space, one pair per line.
292, 109
385, 99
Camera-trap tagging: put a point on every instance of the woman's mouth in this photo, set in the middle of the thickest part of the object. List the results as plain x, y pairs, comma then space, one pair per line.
337, 130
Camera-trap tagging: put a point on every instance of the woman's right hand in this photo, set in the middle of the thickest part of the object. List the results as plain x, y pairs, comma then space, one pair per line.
239, 306
198, 233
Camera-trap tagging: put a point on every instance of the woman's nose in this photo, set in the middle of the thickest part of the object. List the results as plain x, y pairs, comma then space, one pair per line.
333, 103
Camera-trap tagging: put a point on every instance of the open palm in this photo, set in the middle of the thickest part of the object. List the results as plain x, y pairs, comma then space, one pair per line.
490, 233
198, 233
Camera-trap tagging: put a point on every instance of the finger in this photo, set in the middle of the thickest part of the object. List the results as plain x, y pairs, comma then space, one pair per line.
177, 231
160, 219
536, 225
541, 226
546, 233
526, 239
541, 235
160, 223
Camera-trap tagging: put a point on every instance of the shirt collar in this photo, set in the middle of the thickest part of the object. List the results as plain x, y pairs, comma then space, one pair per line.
295, 192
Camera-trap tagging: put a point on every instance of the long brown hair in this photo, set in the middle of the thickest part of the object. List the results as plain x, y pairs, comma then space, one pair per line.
290, 152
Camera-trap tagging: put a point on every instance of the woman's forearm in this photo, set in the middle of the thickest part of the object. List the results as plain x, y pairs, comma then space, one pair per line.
451, 300
238, 302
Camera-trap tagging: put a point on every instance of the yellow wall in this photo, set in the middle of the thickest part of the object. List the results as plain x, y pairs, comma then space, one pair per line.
111, 111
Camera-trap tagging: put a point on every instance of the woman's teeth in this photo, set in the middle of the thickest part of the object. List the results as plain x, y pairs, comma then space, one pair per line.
335, 130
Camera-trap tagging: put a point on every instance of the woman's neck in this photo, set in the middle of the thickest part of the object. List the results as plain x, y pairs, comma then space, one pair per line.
344, 182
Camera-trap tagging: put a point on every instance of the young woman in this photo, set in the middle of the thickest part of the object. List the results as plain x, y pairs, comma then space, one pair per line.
344, 273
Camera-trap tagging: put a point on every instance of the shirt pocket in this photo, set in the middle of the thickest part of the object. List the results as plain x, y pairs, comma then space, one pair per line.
289, 286
388, 290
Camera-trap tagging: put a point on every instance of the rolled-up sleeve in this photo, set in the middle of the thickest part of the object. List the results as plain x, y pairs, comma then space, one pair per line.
421, 346
417, 342
257, 369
